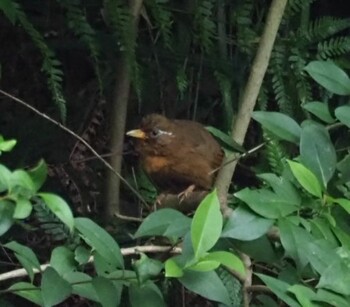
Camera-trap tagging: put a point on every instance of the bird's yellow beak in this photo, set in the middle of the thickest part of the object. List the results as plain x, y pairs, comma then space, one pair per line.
137, 133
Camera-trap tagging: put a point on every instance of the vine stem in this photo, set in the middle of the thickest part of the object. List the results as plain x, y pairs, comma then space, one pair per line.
64, 128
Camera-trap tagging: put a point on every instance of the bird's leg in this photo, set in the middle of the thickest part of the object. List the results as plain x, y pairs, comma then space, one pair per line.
184, 194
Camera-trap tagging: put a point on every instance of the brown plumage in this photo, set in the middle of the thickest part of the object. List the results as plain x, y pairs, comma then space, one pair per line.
177, 153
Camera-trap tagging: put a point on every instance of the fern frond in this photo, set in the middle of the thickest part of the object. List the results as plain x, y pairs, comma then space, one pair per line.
78, 23
204, 26
333, 47
225, 88
163, 21
296, 6
263, 98
275, 153
181, 81
297, 62
51, 66
325, 27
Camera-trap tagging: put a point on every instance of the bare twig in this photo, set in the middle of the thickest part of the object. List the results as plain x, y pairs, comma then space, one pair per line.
125, 252
64, 128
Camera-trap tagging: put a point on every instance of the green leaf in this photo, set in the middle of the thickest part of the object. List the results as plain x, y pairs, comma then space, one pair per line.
306, 178
320, 253
54, 288
172, 269
7, 209
206, 284
336, 277
100, 240
227, 259
344, 203
279, 124
282, 187
147, 268
204, 265
226, 139
10, 9
82, 255
7, 145
161, 222
20, 178
245, 225
279, 288
38, 174
5, 175
59, 207
294, 240
23, 208
106, 292
331, 298
343, 114
62, 260
147, 295
267, 203
206, 225
320, 110
25, 256
304, 295
81, 285
330, 76
317, 152
28, 291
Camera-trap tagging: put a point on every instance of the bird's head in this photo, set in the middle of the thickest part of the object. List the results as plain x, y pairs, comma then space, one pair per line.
154, 134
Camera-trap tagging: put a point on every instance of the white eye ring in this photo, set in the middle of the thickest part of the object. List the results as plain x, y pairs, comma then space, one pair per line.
158, 132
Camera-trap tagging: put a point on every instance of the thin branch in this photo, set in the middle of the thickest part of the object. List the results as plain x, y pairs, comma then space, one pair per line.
250, 94
125, 252
64, 128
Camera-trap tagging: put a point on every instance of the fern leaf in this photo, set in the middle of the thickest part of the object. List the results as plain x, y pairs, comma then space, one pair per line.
275, 153
333, 47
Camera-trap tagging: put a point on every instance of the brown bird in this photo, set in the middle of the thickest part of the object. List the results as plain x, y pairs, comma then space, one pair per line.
178, 155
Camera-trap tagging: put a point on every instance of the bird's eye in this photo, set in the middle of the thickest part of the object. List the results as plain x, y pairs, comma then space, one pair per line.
154, 133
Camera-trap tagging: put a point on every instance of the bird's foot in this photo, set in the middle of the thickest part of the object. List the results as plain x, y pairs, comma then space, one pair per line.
184, 194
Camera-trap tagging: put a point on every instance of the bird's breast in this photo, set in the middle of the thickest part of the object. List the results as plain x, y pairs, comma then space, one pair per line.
155, 164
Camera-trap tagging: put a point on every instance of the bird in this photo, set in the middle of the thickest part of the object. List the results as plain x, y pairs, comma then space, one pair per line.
179, 156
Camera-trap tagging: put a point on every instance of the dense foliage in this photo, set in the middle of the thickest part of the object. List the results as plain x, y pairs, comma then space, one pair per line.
287, 240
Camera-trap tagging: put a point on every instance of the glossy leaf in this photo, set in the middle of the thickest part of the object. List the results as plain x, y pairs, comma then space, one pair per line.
281, 125
172, 269
306, 178
81, 285
330, 76
227, 259
336, 278
320, 110
147, 268
54, 288
282, 187
344, 203
20, 178
317, 152
294, 240
331, 298
28, 291
206, 225
59, 207
164, 221
7, 209
206, 284
146, 296
226, 139
106, 292
267, 203
343, 114
280, 288
6, 145
38, 174
23, 208
5, 175
304, 295
100, 240
82, 255
25, 256
245, 225
62, 260
204, 265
